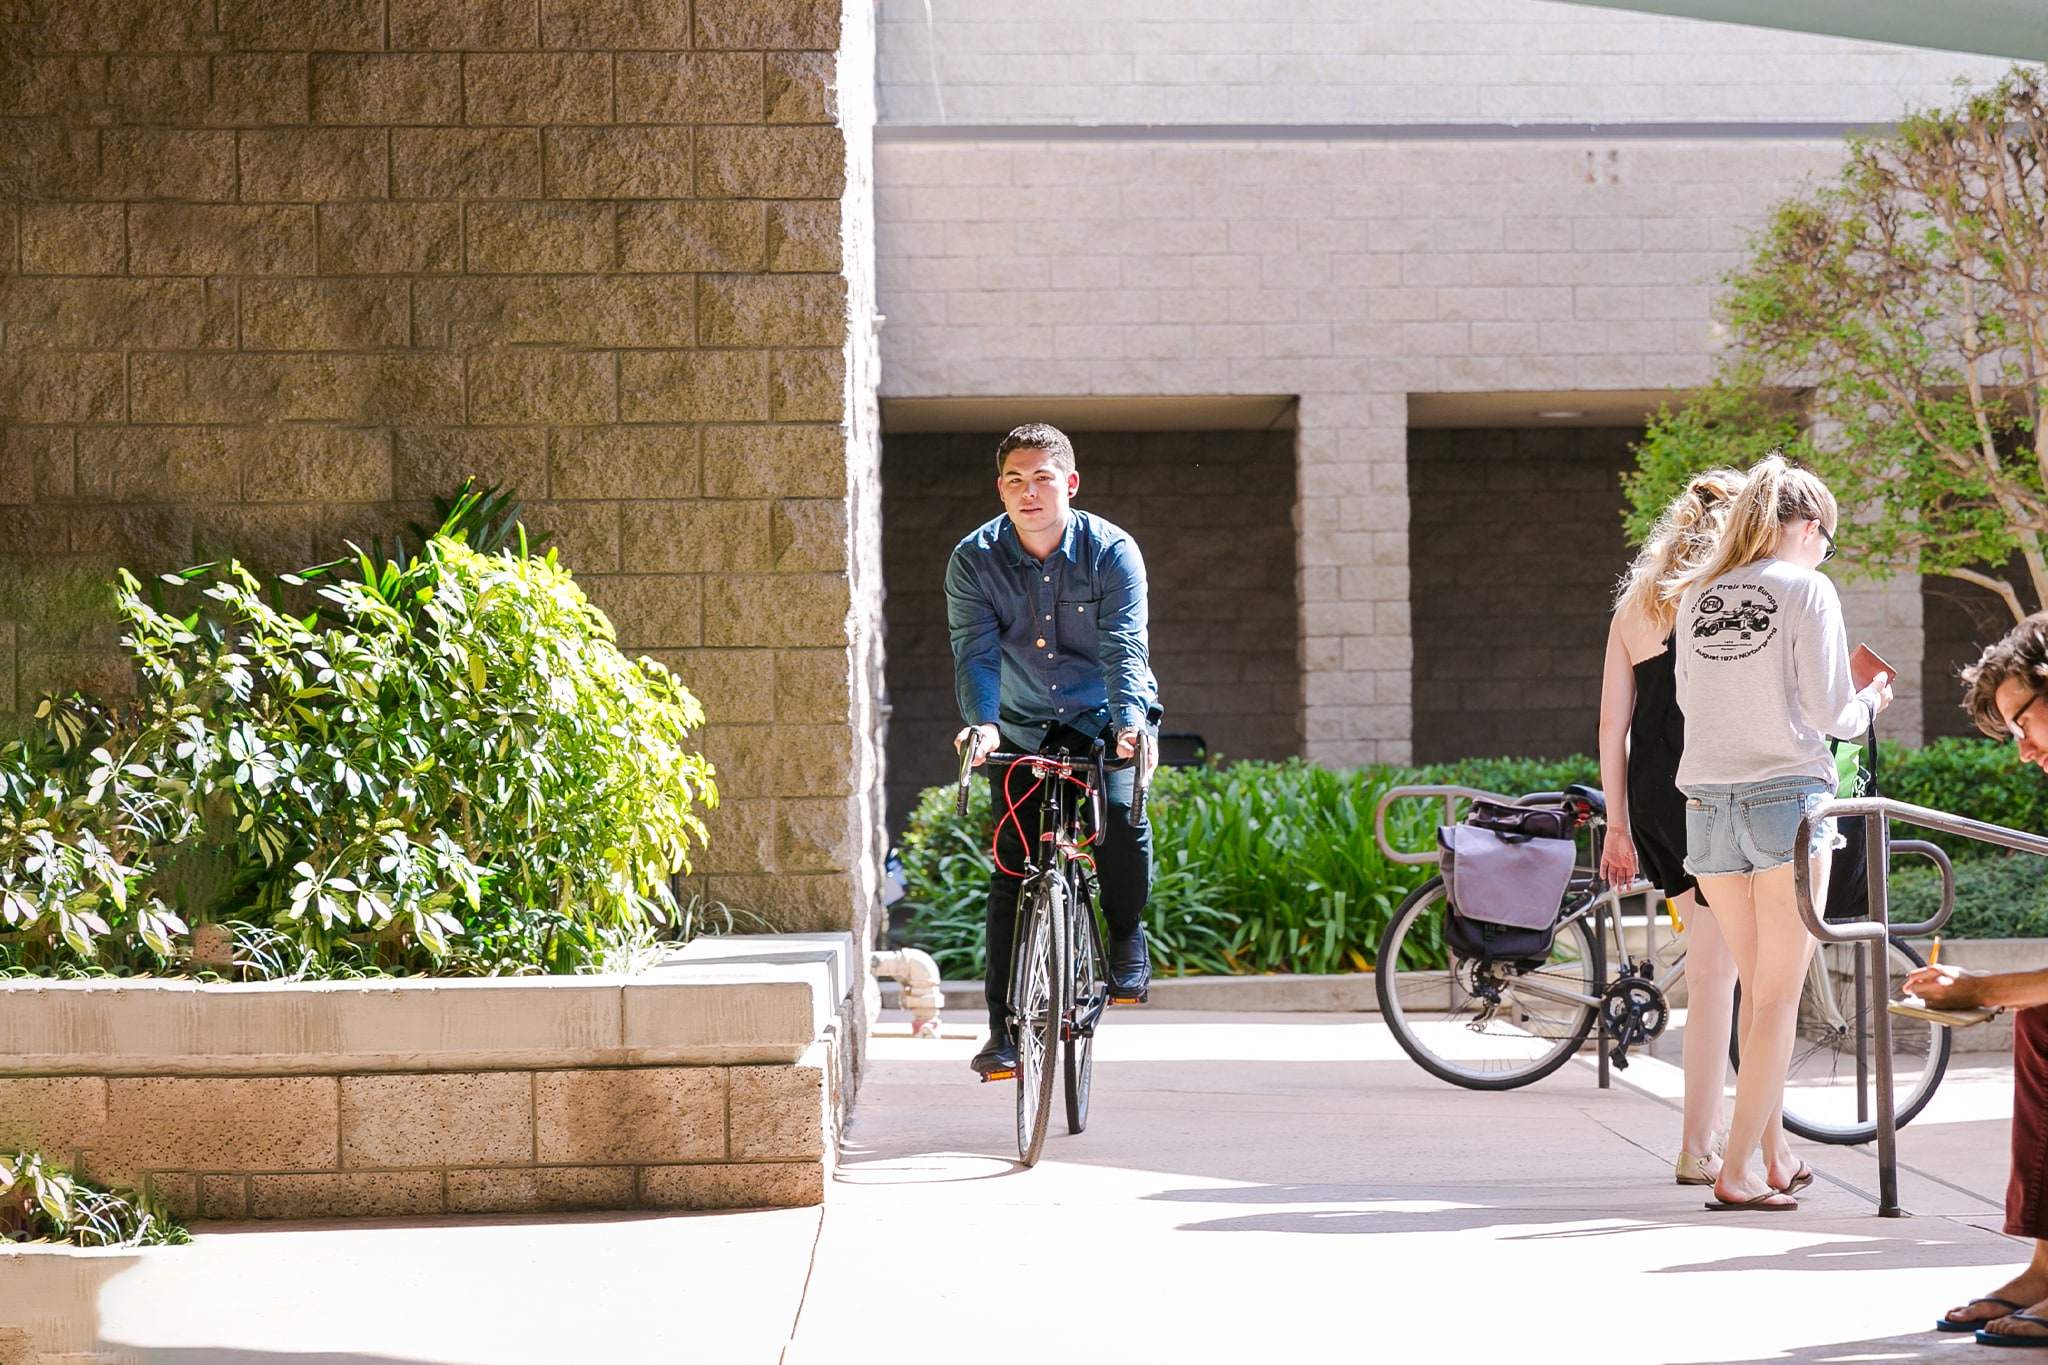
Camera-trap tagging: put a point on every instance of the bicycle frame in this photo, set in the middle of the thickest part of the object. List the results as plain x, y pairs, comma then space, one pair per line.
1059, 829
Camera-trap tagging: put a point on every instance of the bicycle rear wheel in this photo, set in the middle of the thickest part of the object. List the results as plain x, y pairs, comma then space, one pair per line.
1826, 1098
1085, 1002
1485, 1026
1039, 993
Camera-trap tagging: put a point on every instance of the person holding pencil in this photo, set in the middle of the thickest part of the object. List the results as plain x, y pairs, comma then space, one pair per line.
2006, 694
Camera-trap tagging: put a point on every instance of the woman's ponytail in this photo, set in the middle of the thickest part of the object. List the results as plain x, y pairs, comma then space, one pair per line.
1684, 537
1773, 493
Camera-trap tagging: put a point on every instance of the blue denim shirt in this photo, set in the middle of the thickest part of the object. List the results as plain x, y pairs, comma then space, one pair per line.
1062, 642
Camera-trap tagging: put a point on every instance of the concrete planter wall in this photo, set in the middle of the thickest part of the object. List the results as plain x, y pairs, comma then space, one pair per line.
717, 1080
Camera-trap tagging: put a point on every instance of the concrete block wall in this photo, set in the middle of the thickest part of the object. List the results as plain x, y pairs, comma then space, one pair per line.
720, 1077
1393, 62
274, 273
1353, 272
1223, 197
1212, 513
1515, 543
431, 1142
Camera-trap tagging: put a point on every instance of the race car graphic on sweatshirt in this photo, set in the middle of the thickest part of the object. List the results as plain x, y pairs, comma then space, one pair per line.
1734, 620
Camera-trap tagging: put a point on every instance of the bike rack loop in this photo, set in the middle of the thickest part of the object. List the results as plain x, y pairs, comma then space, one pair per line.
1877, 812
1450, 796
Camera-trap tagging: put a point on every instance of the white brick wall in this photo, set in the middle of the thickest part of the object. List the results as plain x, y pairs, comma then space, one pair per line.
1350, 273
1377, 62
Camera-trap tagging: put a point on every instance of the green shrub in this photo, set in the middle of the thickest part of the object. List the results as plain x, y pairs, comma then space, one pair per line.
41, 1203
946, 864
1511, 776
1996, 897
1258, 867
1980, 778
441, 764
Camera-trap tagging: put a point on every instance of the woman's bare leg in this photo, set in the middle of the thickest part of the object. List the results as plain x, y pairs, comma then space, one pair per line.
1778, 954
1710, 1004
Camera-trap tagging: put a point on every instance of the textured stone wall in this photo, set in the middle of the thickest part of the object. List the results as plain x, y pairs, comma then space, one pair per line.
1515, 543
275, 272
1212, 512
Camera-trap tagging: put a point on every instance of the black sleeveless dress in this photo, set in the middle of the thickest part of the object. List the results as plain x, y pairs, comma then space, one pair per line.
1656, 808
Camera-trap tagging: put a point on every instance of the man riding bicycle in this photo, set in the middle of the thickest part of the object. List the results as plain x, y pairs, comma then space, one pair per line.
1046, 608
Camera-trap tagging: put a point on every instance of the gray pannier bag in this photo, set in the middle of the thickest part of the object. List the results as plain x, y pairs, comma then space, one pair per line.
1505, 870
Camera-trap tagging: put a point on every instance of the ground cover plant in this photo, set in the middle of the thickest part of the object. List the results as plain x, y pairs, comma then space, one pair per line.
1258, 866
41, 1202
1272, 867
431, 760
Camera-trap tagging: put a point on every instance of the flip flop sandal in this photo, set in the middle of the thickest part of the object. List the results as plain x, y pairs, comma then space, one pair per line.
1799, 1181
1761, 1204
1945, 1323
1985, 1338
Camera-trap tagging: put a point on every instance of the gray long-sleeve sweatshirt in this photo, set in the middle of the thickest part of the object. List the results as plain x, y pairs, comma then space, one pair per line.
1763, 676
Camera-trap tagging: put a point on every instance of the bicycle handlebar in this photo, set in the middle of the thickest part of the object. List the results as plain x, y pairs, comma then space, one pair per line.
1145, 761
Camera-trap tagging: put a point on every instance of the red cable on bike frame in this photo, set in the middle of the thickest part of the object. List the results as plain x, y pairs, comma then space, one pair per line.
1010, 815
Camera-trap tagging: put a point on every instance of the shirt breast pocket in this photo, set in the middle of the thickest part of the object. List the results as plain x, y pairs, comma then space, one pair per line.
1076, 623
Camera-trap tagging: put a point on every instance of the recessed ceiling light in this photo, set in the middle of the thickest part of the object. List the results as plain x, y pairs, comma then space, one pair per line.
1562, 413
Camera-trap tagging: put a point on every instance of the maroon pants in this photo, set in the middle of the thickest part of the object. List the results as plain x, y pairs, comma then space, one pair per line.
2026, 1195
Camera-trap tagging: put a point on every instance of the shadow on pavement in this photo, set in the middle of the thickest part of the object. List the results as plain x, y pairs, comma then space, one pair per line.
1928, 1345
1887, 1253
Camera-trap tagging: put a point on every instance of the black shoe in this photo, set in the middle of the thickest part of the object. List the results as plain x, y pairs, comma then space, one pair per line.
997, 1060
1130, 970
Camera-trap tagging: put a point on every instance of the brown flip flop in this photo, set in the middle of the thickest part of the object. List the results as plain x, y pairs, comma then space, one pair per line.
1799, 1181
1761, 1204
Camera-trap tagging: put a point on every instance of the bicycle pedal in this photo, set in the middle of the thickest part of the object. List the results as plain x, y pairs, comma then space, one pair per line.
1139, 999
998, 1076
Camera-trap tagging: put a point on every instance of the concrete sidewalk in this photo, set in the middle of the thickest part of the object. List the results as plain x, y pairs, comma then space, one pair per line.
1294, 1184
1251, 1185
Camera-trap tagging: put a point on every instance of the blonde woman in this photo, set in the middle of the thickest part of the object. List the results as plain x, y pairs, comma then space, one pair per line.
1762, 668
1641, 735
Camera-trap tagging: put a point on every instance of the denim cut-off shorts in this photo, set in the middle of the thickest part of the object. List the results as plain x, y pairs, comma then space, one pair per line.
1751, 826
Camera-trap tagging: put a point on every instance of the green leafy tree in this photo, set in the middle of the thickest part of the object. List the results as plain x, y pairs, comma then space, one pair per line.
1891, 330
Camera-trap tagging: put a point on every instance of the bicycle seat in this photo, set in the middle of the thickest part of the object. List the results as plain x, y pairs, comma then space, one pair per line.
1592, 796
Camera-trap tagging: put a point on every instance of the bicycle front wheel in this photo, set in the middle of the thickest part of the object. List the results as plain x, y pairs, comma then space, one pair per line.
1039, 993
1085, 1002
1830, 1087
1482, 1025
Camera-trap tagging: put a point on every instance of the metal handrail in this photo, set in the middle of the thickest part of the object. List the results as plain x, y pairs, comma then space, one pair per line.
1877, 812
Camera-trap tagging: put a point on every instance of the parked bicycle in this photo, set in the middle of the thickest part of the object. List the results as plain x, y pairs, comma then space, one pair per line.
1494, 1023
1059, 980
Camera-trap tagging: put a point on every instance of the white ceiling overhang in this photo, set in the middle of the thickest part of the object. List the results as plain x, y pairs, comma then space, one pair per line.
1998, 28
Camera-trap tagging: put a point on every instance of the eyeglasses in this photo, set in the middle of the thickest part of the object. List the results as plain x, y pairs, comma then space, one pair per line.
2013, 724
1832, 547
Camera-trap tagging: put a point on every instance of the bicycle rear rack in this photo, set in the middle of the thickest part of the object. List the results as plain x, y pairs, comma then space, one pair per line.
1877, 812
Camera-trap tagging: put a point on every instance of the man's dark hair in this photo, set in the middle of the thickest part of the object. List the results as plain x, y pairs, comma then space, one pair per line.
1038, 436
2022, 654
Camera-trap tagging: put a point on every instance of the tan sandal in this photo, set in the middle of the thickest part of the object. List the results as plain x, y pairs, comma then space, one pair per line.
1693, 1170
